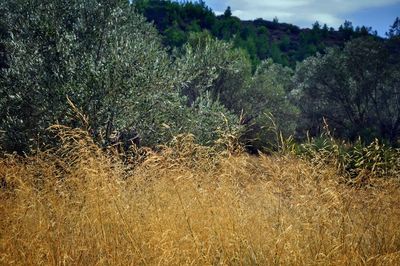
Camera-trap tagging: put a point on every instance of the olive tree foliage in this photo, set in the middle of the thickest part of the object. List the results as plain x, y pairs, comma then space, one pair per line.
99, 53
357, 90
211, 121
210, 65
267, 105
216, 67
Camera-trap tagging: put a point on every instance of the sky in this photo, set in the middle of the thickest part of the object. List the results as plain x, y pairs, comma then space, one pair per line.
378, 14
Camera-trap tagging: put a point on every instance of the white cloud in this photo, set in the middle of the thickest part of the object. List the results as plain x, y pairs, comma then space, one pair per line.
268, 14
271, 4
326, 18
302, 12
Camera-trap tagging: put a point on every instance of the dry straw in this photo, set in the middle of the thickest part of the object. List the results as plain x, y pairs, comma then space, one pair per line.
187, 204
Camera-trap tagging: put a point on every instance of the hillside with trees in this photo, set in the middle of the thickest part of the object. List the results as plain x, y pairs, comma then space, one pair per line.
285, 43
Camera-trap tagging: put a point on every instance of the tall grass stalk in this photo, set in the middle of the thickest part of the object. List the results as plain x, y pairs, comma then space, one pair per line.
187, 204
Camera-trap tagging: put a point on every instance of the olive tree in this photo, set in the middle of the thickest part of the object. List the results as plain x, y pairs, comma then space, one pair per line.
267, 105
208, 64
101, 54
356, 90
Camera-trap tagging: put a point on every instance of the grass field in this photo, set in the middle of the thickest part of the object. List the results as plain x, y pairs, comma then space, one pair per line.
188, 204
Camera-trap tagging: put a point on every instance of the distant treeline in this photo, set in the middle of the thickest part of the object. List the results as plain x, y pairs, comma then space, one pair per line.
285, 43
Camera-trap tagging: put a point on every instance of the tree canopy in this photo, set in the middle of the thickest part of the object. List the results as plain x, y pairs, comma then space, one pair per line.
189, 72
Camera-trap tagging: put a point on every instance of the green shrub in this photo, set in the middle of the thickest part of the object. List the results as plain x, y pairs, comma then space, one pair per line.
354, 160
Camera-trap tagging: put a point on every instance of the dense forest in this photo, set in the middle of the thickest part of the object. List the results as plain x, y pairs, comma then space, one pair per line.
165, 67
286, 44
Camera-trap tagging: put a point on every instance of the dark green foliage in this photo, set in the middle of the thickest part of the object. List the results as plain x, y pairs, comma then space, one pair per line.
394, 30
267, 107
355, 161
262, 43
176, 20
285, 43
175, 36
211, 70
3, 36
227, 28
228, 12
356, 90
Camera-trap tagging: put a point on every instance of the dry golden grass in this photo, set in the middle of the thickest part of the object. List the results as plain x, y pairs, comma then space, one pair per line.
190, 205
